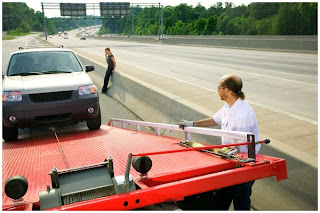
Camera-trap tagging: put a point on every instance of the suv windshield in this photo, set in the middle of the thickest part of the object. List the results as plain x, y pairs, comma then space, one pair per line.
43, 62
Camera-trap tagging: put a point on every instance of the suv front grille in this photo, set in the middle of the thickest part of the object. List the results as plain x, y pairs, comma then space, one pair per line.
53, 118
51, 96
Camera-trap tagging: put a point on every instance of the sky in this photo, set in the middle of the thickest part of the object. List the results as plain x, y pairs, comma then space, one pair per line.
36, 4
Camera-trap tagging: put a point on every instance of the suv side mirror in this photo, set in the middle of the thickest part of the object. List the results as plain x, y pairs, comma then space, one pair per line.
89, 68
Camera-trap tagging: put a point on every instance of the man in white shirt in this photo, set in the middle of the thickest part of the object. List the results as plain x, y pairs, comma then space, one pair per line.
235, 115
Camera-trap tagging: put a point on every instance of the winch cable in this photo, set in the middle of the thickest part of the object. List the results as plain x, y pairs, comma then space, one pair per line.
61, 150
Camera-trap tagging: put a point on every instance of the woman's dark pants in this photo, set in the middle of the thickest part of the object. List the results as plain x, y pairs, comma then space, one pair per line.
106, 80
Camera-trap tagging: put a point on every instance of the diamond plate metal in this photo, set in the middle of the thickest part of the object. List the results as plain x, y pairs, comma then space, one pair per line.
35, 157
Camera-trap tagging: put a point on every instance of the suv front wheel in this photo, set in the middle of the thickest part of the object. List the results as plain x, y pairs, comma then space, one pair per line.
9, 134
95, 123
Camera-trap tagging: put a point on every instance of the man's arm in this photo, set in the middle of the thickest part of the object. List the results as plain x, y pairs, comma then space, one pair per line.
201, 123
205, 123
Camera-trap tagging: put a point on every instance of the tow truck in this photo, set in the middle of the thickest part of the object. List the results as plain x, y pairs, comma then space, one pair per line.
122, 167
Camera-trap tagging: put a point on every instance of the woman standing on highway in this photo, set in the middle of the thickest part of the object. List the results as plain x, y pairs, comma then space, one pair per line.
111, 68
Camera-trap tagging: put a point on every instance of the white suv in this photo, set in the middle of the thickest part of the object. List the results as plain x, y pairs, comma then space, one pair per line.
47, 86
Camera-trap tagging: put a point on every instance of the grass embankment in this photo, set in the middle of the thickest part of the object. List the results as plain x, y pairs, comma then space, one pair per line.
10, 36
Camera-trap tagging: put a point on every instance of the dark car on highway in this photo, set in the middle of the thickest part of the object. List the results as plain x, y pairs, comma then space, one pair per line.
47, 87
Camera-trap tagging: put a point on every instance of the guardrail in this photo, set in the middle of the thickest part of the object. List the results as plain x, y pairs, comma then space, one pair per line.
291, 43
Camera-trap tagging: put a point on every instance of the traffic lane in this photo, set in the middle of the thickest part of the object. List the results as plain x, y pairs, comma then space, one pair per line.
265, 86
263, 90
291, 66
298, 67
287, 97
278, 62
9, 46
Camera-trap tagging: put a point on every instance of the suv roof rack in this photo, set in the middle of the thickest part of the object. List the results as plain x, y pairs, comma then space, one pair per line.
40, 46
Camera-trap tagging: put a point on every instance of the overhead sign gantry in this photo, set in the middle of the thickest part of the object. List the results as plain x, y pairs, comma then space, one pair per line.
72, 9
114, 9
107, 10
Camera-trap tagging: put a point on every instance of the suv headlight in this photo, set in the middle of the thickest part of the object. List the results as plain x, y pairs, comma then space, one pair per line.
11, 96
86, 90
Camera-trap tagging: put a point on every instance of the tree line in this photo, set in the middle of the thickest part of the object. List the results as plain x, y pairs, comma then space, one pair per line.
219, 19
228, 19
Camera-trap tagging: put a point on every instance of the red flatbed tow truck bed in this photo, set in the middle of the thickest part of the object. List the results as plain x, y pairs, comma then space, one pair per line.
176, 171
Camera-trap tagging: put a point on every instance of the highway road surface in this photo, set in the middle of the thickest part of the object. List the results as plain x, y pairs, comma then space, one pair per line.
284, 82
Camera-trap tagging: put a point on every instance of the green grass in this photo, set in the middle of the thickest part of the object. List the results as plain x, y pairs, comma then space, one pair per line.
8, 37
11, 36
18, 34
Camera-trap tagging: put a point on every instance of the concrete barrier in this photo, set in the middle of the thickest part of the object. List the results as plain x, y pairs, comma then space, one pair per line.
276, 43
298, 192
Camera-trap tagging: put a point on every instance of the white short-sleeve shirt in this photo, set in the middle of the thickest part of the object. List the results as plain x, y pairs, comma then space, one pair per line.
239, 117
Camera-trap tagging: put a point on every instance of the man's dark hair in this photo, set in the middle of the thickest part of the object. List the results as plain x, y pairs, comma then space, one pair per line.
234, 83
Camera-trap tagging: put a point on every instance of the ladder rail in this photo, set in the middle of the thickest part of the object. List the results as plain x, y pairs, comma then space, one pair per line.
237, 135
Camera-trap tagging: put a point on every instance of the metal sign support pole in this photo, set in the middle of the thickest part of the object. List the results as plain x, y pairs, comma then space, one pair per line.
44, 22
132, 21
160, 22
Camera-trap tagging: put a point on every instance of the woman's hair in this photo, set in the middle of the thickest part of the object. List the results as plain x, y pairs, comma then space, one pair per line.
107, 49
233, 83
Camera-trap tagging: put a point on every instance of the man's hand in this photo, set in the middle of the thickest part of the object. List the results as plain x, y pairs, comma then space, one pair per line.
185, 123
